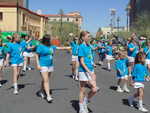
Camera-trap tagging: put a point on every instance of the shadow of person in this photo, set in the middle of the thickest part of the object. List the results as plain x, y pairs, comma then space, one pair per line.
4, 82
75, 105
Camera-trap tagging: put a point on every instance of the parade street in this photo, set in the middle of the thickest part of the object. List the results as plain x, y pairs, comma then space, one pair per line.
65, 92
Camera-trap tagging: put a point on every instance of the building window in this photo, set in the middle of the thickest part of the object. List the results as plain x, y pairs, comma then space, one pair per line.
77, 19
24, 19
1, 16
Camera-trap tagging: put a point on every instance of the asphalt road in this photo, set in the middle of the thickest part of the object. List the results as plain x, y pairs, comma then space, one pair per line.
65, 92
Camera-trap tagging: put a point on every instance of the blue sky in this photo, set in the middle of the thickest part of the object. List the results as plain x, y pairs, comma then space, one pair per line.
95, 12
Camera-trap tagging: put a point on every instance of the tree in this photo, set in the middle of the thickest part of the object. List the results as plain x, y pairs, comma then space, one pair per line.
68, 27
142, 24
99, 33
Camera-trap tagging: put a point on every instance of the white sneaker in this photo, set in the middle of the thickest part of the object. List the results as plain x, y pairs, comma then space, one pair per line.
86, 108
49, 99
126, 90
82, 111
76, 77
0, 85
15, 92
119, 90
143, 109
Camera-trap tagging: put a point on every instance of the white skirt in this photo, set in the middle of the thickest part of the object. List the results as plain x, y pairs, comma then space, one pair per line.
1, 62
13, 65
47, 69
109, 57
138, 85
147, 61
26, 54
84, 76
131, 59
74, 58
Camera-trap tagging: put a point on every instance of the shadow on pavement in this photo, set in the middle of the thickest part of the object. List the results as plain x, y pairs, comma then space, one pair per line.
59, 89
69, 76
125, 102
113, 88
75, 105
22, 86
4, 82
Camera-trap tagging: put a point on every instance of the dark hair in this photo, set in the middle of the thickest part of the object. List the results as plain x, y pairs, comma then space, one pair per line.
92, 41
82, 34
139, 58
46, 40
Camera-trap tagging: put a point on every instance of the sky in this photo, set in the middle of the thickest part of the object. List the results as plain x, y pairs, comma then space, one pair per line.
95, 13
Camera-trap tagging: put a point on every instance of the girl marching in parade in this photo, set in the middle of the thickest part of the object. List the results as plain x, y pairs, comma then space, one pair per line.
121, 65
109, 55
2, 59
74, 46
86, 72
146, 50
28, 52
15, 58
44, 59
139, 75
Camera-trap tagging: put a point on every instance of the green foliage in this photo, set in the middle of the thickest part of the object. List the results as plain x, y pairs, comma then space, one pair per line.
63, 34
142, 24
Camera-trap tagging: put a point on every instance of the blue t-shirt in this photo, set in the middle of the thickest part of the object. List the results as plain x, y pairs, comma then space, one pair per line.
2, 52
74, 47
121, 67
109, 50
27, 44
101, 50
139, 73
45, 55
93, 50
147, 52
16, 53
134, 52
85, 51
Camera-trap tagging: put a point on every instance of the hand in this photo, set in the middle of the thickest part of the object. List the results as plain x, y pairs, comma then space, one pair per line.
6, 63
131, 84
28, 47
147, 78
38, 67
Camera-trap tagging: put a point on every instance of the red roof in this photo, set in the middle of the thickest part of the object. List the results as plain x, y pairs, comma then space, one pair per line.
15, 6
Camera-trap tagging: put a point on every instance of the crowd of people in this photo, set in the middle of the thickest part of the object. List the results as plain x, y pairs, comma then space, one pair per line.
132, 64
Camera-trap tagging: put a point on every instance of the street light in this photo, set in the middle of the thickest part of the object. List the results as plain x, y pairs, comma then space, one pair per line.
113, 16
128, 13
118, 20
17, 16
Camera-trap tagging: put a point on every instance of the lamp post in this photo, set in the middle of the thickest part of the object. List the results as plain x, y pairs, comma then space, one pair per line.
118, 21
112, 20
128, 13
17, 16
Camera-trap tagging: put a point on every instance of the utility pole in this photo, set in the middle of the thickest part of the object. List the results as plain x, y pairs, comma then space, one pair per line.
118, 22
17, 16
61, 12
128, 13
113, 19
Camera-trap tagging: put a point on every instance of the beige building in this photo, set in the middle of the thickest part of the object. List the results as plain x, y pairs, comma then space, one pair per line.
23, 21
74, 17
108, 30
